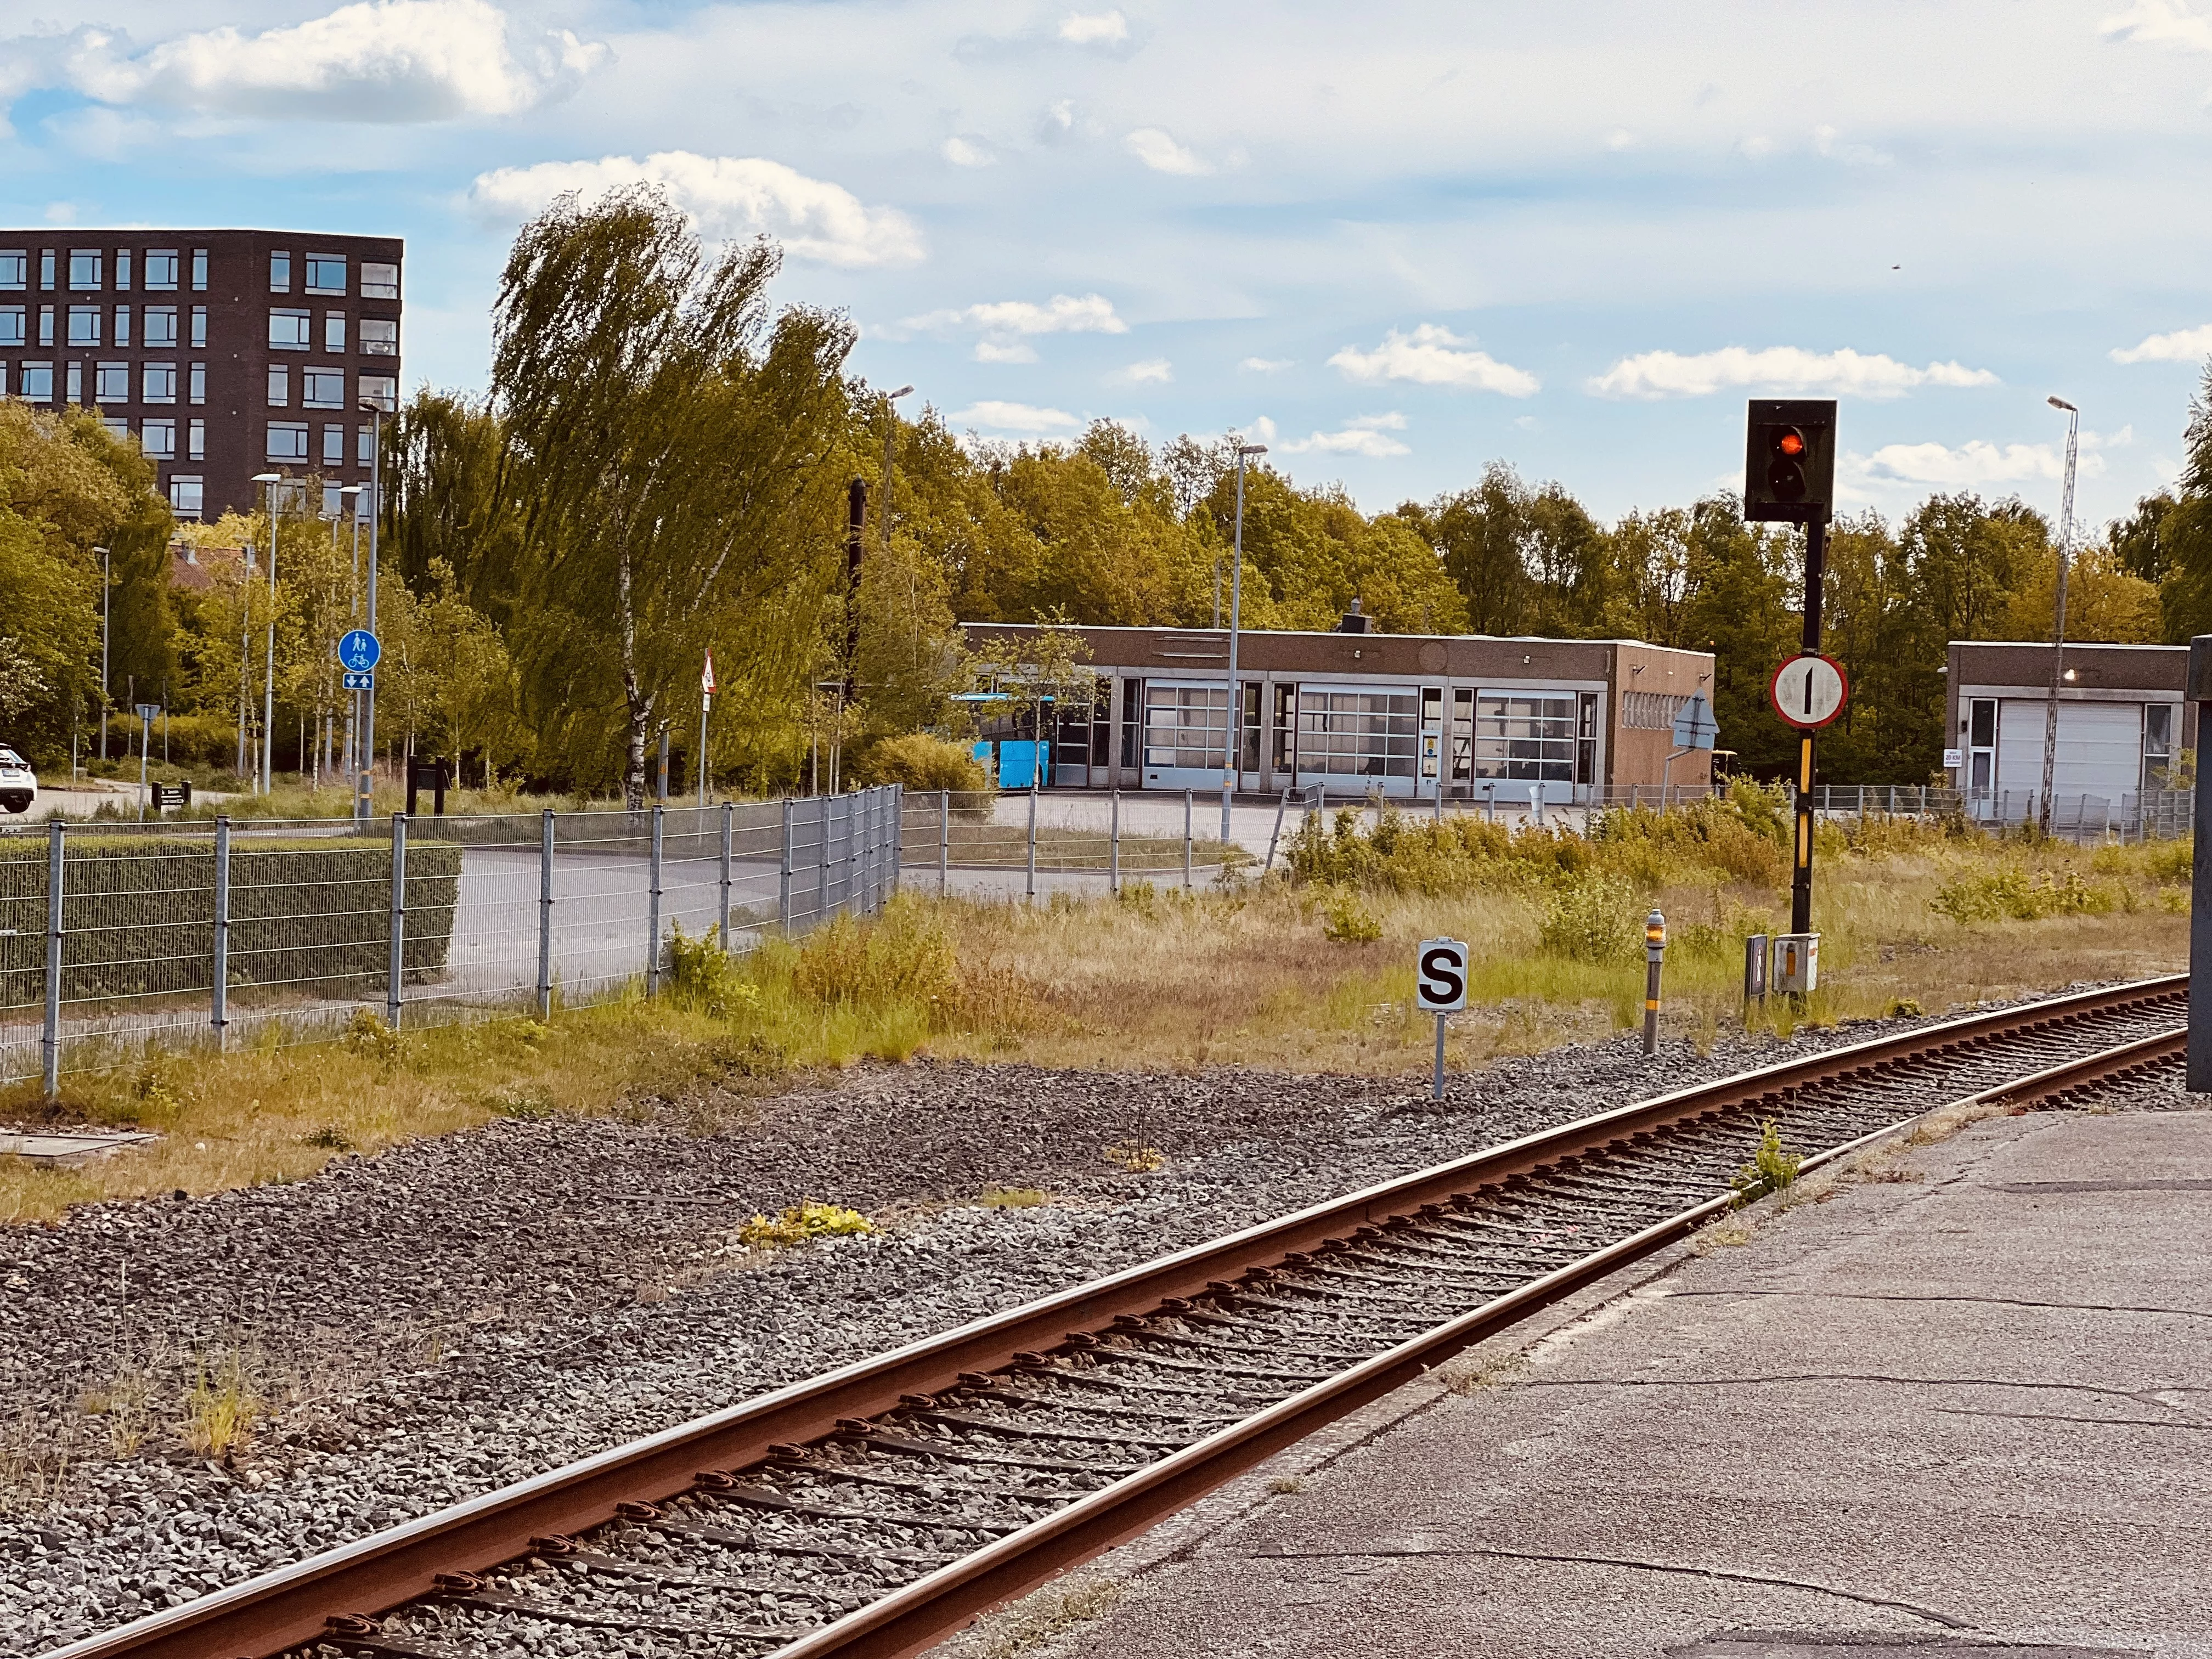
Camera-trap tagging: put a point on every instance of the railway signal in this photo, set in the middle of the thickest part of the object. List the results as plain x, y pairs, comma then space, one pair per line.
1789, 477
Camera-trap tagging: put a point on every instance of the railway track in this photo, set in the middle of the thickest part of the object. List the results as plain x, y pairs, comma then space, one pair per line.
873, 1510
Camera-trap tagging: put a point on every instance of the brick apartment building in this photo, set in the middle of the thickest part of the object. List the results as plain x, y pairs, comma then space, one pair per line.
225, 353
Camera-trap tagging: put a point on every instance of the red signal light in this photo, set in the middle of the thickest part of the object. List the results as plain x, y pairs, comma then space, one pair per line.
1792, 444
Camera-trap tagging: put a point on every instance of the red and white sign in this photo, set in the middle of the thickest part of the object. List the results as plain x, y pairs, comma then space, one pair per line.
706, 676
1808, 691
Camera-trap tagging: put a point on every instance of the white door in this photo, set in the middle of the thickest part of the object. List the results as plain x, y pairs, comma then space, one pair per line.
2099, 755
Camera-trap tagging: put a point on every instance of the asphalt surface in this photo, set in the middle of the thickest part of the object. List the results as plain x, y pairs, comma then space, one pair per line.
1963, 1411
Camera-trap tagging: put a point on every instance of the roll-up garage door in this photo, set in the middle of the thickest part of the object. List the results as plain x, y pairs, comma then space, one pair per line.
2099, 751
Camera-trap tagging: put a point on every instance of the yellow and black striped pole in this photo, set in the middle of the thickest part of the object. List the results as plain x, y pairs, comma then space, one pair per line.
1801, 882
1655, 955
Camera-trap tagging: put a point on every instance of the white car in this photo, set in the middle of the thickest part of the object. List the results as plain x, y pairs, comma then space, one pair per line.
19, 784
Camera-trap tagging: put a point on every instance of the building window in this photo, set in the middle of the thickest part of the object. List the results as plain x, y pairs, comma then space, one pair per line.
280, 273
199, 328
84, 267
45, 325
382, 389
38, 383
15, 268
46, 269
380, 336
160, 328
333, 500
323, 388
160, 384
288, 330
161, 264
196, 441
379, 282
3, 379
2161, 726
110, 383
199, 270
280, 386
160, 440
199, 383
116, 428
123, 325
327, 273
185, 497
334, 331
14, 326
84, 325
123, 268
287, 440
333, 445
364, 449
76, 384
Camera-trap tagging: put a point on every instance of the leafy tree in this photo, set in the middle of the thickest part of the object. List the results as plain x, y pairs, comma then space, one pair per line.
2185, 532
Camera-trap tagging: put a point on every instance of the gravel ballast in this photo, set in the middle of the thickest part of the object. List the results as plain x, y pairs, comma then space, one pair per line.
455, 1315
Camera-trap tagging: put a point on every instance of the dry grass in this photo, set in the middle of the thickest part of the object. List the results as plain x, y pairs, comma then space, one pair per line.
1156, 979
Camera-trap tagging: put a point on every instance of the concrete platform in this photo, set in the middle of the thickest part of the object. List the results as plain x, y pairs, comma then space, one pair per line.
1966, 1412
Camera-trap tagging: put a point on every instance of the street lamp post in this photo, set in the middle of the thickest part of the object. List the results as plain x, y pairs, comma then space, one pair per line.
105, 583
270, 480
1233, 770
890, 454
367, 756
352, 493
2058, 618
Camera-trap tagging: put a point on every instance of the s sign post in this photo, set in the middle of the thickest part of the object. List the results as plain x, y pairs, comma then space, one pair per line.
1440, 989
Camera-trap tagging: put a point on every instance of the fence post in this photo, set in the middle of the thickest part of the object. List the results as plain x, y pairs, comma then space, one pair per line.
219, 1010
1186, 841
652, 907
399, 919
1114, 848
898, 833
545, 915
1031, 888
856, 894
783, 874
50, 1043
821, 857
729, 815
943, 839
1277, 834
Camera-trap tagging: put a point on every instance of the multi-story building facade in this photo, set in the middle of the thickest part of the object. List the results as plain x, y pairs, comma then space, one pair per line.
224, 353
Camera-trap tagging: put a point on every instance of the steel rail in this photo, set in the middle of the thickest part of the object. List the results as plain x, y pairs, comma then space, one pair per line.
293, 1604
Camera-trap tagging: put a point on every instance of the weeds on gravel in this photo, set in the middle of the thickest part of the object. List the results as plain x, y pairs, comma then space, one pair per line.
1013, 1198
221, 1410
800, 1223
1771, 1169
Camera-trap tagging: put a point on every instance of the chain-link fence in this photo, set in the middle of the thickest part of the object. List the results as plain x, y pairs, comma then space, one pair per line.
114, 938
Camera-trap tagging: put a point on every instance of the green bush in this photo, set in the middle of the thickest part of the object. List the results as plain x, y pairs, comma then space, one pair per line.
1597, 917
2010, 893
920, 762
309, 914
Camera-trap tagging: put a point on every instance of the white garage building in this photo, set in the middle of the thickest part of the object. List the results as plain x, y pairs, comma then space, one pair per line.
2122, 727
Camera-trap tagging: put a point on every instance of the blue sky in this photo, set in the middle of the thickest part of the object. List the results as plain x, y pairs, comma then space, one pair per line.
1396, 242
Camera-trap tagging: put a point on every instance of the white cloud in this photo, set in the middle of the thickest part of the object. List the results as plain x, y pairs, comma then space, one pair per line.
1434, 355
1267, 365
1976, 462
968, 152
1828, 142
2161, 23
1779, 368
1017, 417
381, 60
1365, 436
1105, 28
727, 198
1004, 351
2183, 345
1006, 325
1159, 151
1157, 370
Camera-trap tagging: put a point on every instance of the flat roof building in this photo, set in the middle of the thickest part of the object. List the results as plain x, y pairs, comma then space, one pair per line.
224, 353
1402, 715
2122, 727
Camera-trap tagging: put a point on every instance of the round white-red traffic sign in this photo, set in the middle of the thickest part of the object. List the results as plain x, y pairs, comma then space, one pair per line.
1808, 691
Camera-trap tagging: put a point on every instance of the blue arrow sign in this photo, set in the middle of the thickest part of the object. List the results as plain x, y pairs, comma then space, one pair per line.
359, 650
360, 680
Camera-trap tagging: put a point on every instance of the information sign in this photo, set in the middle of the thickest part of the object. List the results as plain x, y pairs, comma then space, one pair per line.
359, 650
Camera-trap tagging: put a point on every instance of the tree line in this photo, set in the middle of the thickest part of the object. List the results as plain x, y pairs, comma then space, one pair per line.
660, 466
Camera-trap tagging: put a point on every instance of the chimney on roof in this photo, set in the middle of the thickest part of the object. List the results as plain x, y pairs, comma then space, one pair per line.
1355, 622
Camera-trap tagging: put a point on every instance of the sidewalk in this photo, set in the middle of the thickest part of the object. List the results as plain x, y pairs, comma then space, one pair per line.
1966, 1412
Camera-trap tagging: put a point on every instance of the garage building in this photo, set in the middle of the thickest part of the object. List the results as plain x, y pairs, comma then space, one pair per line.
2122, 727
1479, 717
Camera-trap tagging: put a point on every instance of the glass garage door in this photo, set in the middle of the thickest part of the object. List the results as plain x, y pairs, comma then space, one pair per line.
1360, 738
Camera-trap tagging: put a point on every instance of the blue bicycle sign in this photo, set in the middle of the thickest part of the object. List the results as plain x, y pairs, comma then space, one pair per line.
359, 651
